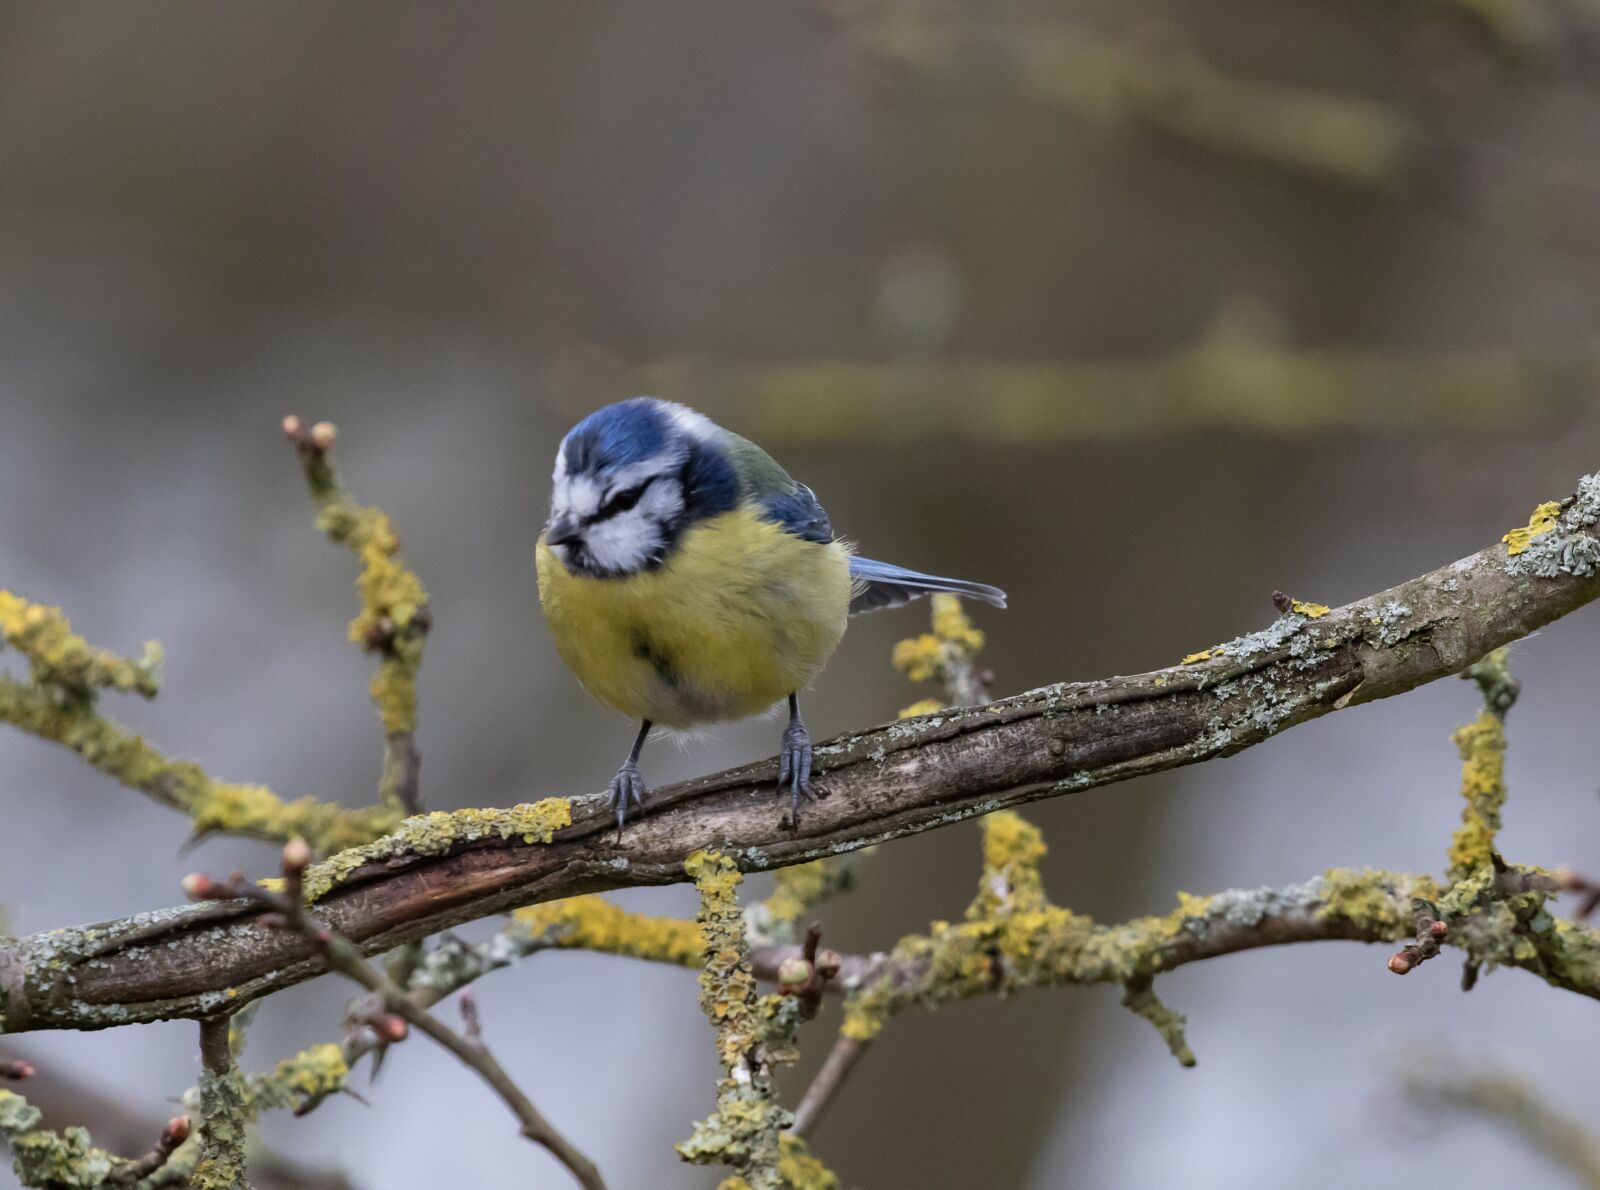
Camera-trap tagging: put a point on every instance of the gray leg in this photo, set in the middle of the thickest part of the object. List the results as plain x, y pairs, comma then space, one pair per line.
627, 786
794, 763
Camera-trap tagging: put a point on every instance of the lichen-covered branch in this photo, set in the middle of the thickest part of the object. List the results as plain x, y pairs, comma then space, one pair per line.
60, 704
754, 1033
67, 1160
224, 1120
906, 777
394, 619
1483, 766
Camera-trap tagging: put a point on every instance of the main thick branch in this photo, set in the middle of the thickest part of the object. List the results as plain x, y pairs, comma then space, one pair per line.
895, 780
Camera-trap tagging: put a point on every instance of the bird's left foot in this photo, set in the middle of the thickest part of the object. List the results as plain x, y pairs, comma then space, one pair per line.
794, 770
627, 786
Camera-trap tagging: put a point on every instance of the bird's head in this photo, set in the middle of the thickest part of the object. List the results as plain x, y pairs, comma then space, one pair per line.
629, 479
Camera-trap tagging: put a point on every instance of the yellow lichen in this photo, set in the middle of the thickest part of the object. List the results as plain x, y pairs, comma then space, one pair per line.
752, 1031
1482, 744
212, 805
1202, 655
918, 658
393, 619
927, 706
593, 923
1372, 900
60, 657
301, 1079
797, 888
1010, 883
953, 626
946, 653
1312, 611
1541, 522
799, 1169
440, 832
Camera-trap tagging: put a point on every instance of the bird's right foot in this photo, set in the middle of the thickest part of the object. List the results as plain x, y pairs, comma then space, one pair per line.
626, 787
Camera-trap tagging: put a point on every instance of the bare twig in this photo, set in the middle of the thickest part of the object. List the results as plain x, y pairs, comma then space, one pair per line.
173, 1135
1431, 933
836, 1067
341, 955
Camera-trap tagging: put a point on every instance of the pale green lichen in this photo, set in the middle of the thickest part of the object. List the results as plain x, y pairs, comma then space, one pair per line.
1140, 998
1376, 903
797, 1169
224, 1133
1046, 945
298, 1082
1564, 544
754, 1033
441, 832
43, 1158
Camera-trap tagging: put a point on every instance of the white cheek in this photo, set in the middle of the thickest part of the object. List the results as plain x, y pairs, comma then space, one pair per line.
624, 542
662, 502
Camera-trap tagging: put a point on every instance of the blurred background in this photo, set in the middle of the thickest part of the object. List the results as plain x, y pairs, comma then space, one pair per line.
1138, 310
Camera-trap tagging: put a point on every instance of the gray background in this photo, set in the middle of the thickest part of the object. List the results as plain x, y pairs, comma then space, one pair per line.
452, 230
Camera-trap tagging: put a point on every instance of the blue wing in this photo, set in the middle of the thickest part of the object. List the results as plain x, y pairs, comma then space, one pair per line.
881, 584
878, 584
799, 512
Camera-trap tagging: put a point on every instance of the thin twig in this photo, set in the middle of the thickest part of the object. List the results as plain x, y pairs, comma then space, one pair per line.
173, 1135
341, 955
841, 1060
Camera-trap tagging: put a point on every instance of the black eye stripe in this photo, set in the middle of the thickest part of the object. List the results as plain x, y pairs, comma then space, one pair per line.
623, 500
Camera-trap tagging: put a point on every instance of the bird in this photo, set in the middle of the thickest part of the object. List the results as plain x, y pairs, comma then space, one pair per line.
688, 580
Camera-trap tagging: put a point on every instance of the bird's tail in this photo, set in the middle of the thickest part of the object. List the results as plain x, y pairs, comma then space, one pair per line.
880, 584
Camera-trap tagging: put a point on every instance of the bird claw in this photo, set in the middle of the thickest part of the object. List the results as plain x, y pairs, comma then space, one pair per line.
794, 771
626, 787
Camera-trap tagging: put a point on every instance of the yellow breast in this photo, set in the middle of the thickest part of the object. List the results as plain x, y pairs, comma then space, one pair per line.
741, 615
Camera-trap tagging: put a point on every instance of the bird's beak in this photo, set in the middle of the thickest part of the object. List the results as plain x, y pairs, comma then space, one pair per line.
563, 530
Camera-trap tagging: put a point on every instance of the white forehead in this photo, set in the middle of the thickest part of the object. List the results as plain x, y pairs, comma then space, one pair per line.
582, 495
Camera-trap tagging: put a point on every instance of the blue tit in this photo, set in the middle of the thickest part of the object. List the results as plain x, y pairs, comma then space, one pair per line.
688, 580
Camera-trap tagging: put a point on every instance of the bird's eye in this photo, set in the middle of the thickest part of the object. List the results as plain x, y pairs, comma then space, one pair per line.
623, 500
